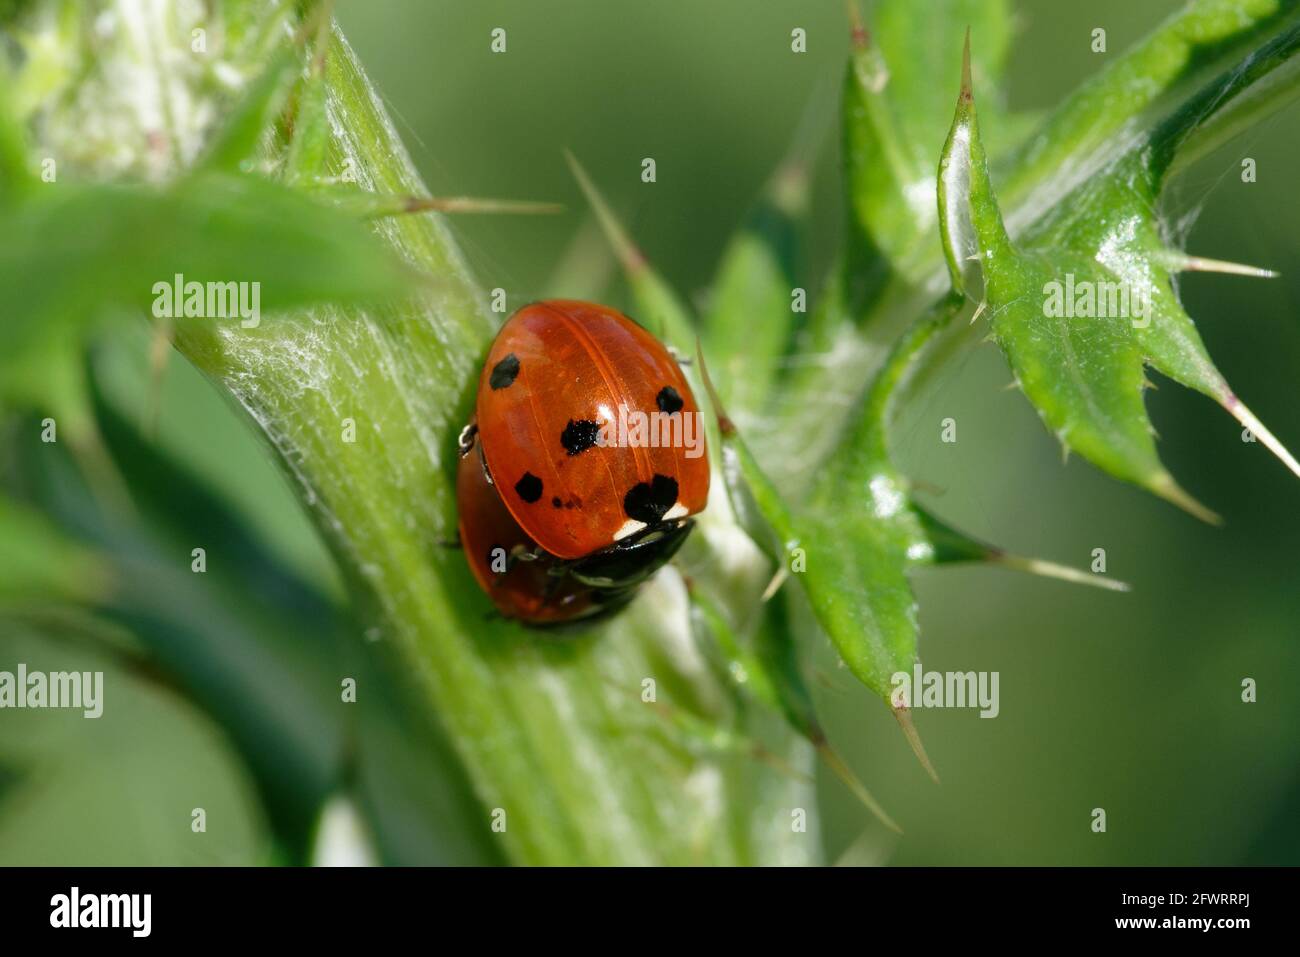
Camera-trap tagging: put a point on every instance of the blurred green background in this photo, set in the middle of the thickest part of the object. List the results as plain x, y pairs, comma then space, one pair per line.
1126, 702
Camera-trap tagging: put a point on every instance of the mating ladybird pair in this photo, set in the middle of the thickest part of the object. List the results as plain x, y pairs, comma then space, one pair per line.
556, 523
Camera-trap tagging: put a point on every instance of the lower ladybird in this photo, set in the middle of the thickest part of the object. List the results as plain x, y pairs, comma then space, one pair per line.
583, 464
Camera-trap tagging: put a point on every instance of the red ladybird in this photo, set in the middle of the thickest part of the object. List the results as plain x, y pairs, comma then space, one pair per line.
587, 435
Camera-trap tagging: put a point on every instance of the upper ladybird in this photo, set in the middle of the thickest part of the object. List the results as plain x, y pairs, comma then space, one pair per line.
589, 429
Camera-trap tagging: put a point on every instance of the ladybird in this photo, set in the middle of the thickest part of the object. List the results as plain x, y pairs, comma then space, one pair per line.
582, 466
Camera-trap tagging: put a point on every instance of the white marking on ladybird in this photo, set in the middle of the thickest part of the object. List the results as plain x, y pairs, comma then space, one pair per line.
630, 527
677, 511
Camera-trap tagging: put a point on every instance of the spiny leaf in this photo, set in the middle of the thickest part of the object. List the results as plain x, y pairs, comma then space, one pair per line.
895, 115
1085, 299
858, 534
847, 333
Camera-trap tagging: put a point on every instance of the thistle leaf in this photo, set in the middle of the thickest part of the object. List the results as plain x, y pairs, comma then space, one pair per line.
858, 534
1085, 299
846, 335
895, 116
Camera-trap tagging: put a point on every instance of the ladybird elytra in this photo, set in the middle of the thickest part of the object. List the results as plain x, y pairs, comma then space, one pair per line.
592, 442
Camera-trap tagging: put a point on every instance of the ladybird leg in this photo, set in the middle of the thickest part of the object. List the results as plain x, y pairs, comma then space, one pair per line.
521, 553
677, 357
516, 555
465, 442
482, 460
554, 580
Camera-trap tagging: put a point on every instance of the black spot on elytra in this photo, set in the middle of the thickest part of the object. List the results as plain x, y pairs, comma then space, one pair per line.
557, 502
504, 372
647, 501
579, 436
529, 488
669, 400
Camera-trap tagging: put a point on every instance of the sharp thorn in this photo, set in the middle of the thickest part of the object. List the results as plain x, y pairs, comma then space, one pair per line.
628, 254
460, 204
1163, 484
859, 33
1038, 566
853, 783
904, 717
967, 91
1258, 429
775, 584
1185, 263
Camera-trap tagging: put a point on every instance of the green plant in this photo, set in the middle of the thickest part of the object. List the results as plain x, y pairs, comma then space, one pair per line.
378, 333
